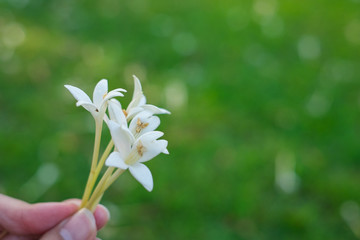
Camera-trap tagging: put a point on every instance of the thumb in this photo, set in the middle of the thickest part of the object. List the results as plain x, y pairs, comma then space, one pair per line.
80, 226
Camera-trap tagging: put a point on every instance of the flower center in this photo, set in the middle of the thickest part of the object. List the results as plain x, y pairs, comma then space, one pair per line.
140, 149
135, 154
140, 125
125, 113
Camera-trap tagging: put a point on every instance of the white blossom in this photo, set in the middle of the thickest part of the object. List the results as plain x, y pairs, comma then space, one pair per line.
131, 153
138, 103
98, 106
142, 123
116, 112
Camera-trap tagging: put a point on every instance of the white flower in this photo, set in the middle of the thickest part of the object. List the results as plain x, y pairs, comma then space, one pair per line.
142, 123
116, 112
98, 106
138, 103
132, 153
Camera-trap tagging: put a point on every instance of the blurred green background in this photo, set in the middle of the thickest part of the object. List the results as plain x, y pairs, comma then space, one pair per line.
264, 95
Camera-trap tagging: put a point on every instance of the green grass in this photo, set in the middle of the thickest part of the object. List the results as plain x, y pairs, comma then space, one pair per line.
252, 81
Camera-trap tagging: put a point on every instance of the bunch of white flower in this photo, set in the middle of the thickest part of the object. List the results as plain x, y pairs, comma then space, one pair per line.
132, 132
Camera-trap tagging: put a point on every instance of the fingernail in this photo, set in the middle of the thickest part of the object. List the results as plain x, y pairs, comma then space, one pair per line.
79, 227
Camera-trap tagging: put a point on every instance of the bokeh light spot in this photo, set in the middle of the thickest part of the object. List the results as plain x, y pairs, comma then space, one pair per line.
5, 53
350, 212
338, 70
318, 105
184, 44
285, 177
13, 35
352, 31
176, 95
309, 47
162, 25
265, 8
256, 55
47, 174
272, 27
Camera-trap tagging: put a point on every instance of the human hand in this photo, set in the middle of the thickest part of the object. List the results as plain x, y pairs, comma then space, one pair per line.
49, 221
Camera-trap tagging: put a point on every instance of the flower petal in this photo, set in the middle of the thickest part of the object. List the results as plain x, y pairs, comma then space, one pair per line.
118, 90
116, 113
143, 175
154, 122
116, 102
142, 100
137, 86
88, 106
147, 123
106, 119
153, 149
154, 109
104, 105
115, 160
126, 131
78, 94
165, 151
131, 112
112, 94
122, 138
138, 98
143, 115
100, 91
150, 136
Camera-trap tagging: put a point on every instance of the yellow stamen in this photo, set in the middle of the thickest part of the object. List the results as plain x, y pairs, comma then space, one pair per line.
140, 126
125, 113
135, 154
140, 149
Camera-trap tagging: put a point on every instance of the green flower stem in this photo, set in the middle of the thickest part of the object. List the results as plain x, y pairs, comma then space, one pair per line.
109, 179
94, 161
100, 189
102, 161
96, 202
99, 167
104, 157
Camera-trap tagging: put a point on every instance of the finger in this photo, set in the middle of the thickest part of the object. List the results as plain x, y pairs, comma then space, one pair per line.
14, 237
81, 226
102, 216
21, 218
101, 213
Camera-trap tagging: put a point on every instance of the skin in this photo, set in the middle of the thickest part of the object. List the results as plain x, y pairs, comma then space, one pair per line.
45, 221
